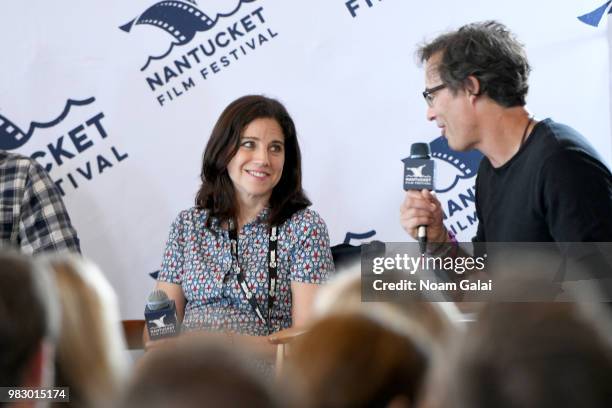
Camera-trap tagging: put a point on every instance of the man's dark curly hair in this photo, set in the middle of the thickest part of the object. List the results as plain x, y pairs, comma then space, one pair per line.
488, 51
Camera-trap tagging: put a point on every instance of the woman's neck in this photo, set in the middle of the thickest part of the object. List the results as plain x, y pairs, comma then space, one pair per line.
248, 208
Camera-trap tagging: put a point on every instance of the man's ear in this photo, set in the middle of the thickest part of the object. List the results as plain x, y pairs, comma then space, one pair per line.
472, 86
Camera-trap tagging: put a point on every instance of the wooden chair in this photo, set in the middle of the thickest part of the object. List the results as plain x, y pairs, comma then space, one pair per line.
132, 330
282, 339
343, 254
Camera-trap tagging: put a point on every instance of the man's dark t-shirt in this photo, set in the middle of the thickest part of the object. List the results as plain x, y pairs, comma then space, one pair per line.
556, 188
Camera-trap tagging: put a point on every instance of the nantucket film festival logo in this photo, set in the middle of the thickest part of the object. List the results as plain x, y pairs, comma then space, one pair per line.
74, 148
455, 177
204, 40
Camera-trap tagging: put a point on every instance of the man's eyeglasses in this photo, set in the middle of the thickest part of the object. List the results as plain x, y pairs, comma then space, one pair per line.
428, 94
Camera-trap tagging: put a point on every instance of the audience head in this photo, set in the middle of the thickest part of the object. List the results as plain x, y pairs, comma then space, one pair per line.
217, 192
29, 322
91, 357
353, 361
193, 374
531, 355
434, 323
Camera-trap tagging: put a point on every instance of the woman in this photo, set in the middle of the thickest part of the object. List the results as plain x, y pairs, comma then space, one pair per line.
250, 230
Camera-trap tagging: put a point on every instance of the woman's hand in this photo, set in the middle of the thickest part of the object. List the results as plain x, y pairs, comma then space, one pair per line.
174, 292
166, 342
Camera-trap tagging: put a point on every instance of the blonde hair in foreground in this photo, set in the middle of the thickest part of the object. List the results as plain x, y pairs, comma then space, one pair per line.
91, 356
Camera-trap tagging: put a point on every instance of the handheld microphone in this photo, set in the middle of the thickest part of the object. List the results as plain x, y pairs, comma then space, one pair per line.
419, 170
160, 315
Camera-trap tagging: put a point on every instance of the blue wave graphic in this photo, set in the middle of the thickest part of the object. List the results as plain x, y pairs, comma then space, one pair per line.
353, 235
235, 10
164, 55
175, 43
457, 179
594, 17
465, 162
12, 137
69, 104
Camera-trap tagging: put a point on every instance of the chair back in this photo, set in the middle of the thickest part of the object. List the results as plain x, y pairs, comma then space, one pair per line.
133, 331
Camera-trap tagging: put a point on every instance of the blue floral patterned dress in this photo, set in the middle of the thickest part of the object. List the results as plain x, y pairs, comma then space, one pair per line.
199, 259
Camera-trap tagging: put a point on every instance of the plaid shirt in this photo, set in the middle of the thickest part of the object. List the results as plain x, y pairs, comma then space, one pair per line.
32, 215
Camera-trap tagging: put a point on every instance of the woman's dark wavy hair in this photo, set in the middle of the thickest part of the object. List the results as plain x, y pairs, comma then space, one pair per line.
217, 192
488, 51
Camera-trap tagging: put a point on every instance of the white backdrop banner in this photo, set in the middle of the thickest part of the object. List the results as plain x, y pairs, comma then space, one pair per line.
117, 99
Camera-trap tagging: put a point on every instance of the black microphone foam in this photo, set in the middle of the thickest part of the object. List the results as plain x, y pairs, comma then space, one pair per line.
420, 151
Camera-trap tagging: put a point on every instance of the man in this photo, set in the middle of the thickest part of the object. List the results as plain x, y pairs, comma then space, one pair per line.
29, 323
539, 180
32, 215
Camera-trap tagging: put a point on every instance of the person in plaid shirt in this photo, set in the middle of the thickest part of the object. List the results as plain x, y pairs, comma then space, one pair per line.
33, 217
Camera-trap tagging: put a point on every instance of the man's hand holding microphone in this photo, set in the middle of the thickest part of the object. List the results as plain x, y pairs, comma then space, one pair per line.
422, 208
421, 213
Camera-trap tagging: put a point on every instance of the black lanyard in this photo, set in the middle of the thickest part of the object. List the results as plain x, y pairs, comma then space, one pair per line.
272, 272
